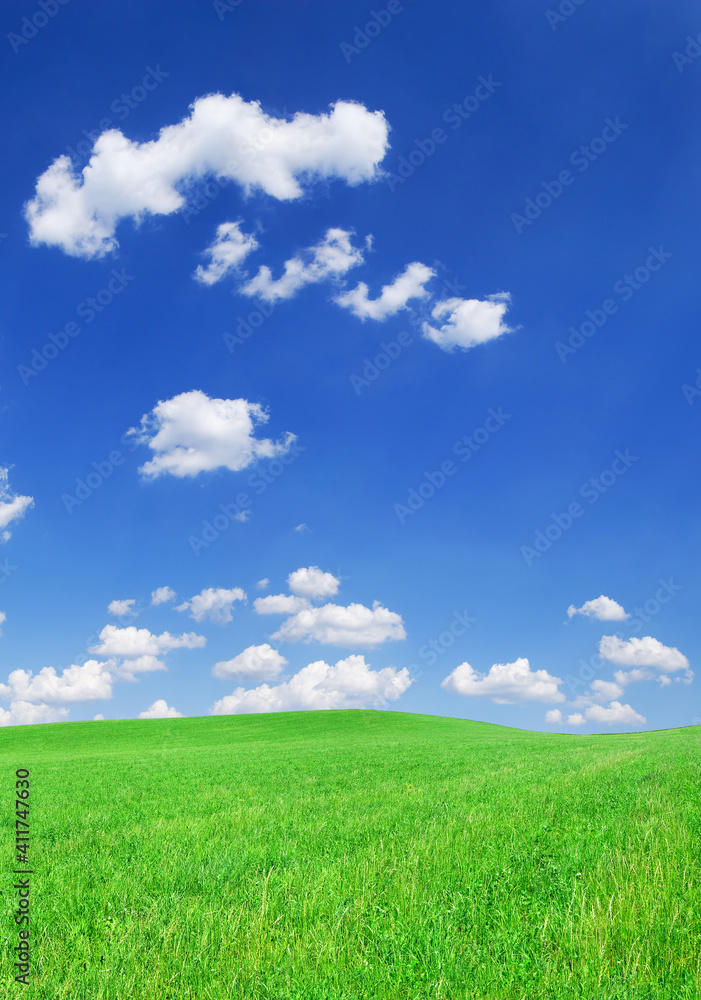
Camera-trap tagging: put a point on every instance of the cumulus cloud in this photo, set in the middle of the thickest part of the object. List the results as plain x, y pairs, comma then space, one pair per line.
335, 625
122, 608
599, 691
331, 258
225, 137
615, 712
24, 713
192, 433
139, 650
554, 715
215, 604
464, 323
505, 684
602, 608
88, 682
257, 663
279, 604
160, 710
161, 595
98, 718
226, 252
406, 286
262, 584
645, 652
576, 719
312, 582
12, 506
349, 684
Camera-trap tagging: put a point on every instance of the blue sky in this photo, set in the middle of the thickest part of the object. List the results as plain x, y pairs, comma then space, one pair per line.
509, 430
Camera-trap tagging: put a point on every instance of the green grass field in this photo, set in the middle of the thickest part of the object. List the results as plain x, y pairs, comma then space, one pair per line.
354, 855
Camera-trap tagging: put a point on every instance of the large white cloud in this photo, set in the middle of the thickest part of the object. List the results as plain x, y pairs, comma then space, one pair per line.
645, 652
160, 710
615, 712
603, 609
310, 581
192, 433
335, 625
228, 249
223, 136
24, 713
139, 650
349, 684
257, 663
88, 682
215, 604
280, 604
464, 323
505, 684
12, 506
330, 258
408, 285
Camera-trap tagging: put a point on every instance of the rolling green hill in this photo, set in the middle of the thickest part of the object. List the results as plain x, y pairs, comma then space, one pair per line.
356, 855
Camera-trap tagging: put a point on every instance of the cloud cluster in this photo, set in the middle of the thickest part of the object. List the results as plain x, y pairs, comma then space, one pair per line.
335, 625
645, 652
256, 663
225, 137
464, 323
215, 604
331, 258
192, 433
505, 684
602, 609
88, 682
408, 285
226, 252
138, 651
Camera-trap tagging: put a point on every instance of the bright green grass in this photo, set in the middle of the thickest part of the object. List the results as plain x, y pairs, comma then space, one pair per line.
356, 855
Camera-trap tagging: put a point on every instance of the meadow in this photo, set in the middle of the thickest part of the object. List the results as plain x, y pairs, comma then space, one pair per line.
355, 855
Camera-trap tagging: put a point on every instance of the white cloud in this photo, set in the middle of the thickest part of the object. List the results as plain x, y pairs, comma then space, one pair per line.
192, 433
576, 719
602, 608
554, 715
331, 258
3, 618
312, 582
394, 297
160, 710
645, 652
23, 713
98, 718
279, 604
464, 323
131, 642
334, 625
614, 713
505, 684
122, 608
12, 506
229, 248
88, 682
349, 684
127, 669
302, 527
215, 604
161, 595
257, 663
225, 137
599, 691
262, 584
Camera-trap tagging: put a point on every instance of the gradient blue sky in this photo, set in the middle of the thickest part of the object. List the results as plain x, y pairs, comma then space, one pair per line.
556, 82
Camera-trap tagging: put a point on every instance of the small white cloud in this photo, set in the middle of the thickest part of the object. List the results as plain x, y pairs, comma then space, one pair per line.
262, 584
576, 719
615, 712
408, 285
303, 527
122, 609
90, 682
161, 595
215, 604
464, 323
554, 715
312, 582
24, 713
3, 618
98, 718
645, 652
12, 506
349, 684
279, 604
257, 663
226, 252
505, 684
192, 433
331, 258
602, 608
600, 691
160, 710
334, 625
